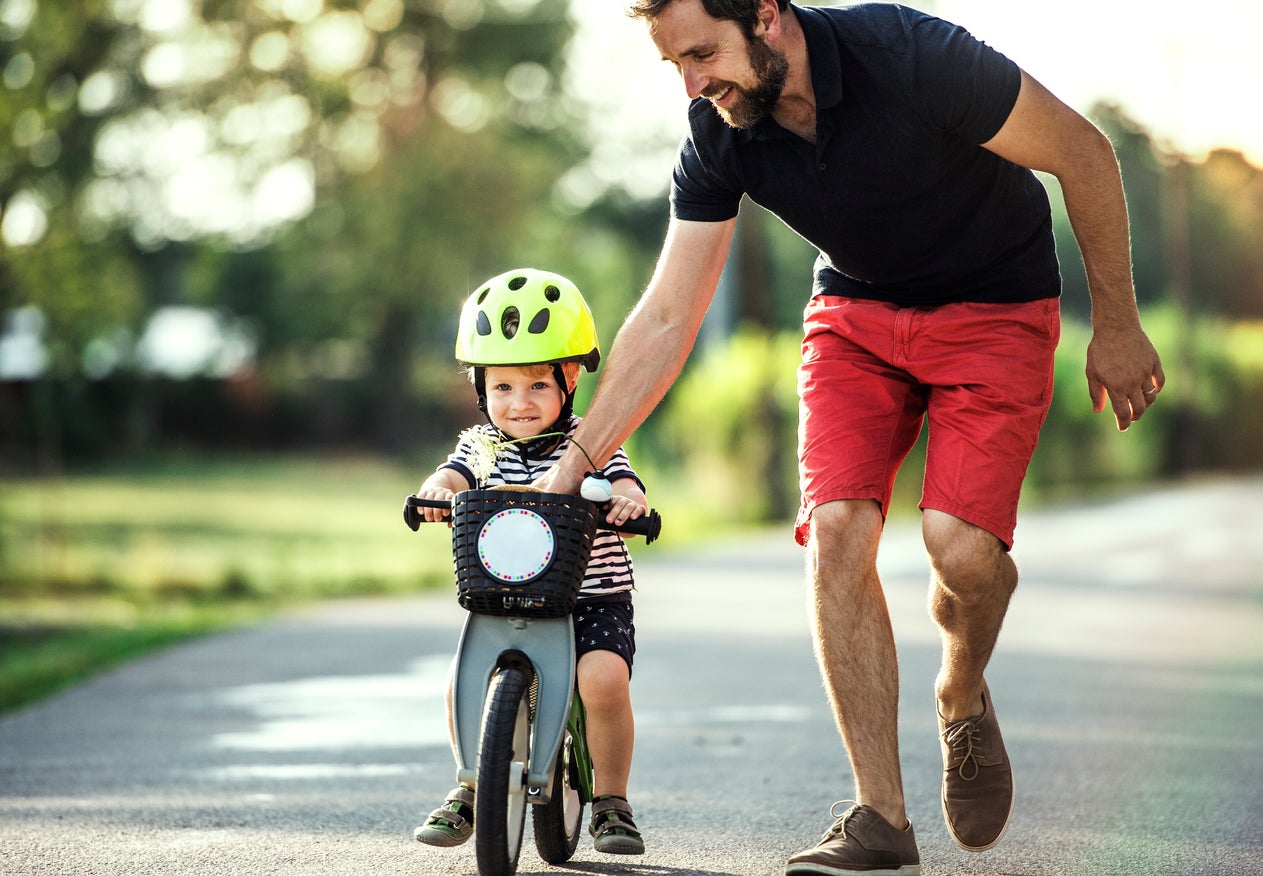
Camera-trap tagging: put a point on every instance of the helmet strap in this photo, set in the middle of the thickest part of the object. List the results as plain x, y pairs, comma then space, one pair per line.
567, 393
480, 387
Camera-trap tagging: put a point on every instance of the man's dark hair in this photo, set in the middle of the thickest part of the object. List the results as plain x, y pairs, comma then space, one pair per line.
744, 12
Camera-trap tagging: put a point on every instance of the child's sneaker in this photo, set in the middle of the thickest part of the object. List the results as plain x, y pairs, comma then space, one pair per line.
612, 827
452, 823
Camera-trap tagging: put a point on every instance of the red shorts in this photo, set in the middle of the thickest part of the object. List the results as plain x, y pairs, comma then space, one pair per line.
979, 375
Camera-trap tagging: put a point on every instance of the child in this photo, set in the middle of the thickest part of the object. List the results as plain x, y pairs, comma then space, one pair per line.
523, 336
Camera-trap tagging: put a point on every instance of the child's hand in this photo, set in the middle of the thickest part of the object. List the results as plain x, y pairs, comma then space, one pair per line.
624, 508
435, 515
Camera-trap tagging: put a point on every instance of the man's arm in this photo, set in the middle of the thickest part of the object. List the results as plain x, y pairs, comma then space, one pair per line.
650, 348
1044, 134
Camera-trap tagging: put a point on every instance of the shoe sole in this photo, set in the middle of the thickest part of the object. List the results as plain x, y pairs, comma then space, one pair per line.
439, 839
620, 848
1003, 829
805, 869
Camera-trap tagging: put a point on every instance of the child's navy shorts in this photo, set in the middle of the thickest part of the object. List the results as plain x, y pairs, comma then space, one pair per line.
605, 625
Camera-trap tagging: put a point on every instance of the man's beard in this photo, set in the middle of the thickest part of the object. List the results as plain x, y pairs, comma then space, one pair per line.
752, 105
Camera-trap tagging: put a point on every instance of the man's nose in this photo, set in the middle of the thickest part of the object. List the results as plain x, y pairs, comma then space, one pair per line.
694, 82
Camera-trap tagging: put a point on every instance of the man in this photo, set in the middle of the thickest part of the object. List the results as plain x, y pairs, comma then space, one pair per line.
902, 149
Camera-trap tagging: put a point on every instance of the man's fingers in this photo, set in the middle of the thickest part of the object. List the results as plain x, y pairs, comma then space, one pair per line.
1122, 411
1096, 391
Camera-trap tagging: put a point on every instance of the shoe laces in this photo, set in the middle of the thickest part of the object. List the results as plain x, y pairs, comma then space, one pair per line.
838, 827
963, 737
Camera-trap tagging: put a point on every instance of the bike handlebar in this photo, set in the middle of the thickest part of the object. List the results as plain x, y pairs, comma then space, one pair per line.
650, 525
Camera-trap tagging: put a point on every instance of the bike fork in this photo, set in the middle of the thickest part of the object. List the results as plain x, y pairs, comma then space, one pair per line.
546, 645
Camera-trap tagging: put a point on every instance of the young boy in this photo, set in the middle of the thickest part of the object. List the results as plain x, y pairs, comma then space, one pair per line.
523, 335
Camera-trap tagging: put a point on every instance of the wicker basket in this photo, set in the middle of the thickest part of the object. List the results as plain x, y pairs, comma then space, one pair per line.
539, 573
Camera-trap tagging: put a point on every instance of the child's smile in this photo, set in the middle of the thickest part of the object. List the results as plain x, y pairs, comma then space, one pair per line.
521, 402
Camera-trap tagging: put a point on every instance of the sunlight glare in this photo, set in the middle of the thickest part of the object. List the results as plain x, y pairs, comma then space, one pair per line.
336, 43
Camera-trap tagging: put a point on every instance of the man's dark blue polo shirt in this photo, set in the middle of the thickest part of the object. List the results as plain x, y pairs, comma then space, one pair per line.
897, 195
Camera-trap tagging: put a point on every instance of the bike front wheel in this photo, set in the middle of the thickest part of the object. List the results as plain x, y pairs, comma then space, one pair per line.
503, 764
558, 822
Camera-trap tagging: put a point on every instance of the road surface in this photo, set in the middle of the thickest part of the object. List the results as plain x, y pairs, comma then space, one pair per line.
1128, 681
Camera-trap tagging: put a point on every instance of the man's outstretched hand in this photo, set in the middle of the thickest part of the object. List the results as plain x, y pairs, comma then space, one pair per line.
1123, 369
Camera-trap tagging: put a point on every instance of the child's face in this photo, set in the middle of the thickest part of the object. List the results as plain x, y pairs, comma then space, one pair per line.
523, 401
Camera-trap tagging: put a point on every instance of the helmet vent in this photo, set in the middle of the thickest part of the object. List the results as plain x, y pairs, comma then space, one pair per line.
482, 325
517, 283
539, 324
510, 319
552, 293
482, 296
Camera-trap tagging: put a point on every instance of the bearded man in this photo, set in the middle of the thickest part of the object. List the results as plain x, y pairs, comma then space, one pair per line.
902, 148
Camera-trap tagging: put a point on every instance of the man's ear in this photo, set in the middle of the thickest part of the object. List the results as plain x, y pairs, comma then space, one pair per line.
768, 25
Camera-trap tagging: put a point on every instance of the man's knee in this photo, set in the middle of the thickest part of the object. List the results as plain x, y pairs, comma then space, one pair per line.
844, 537
846, 521
967, 559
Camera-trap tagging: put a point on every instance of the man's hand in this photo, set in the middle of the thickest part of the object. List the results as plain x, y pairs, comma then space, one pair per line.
559, 479
1123, 368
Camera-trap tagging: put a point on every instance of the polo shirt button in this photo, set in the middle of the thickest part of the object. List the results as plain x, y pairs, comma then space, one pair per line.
822, 166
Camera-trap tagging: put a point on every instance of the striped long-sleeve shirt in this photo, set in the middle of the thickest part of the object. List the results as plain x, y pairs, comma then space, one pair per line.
609, 569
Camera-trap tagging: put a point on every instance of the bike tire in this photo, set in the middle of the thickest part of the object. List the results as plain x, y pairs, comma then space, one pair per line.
558, 823
503, 764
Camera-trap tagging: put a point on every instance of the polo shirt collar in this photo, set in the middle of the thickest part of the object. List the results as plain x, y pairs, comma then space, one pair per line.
823, 56
826, 71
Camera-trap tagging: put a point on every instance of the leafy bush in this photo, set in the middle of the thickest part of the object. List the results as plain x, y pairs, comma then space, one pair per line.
727, 431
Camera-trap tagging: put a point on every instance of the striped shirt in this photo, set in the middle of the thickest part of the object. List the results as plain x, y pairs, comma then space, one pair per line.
610, 567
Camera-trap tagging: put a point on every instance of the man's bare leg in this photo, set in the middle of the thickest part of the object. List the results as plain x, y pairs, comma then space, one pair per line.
855, 648
973, 581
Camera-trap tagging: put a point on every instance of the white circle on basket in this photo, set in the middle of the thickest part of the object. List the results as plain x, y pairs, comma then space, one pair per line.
516, 545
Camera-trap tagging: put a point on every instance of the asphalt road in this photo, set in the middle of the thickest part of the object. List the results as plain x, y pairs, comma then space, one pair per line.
1128, 680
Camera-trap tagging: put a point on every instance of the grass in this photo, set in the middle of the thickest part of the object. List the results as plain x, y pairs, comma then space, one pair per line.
101, 566
246, 528
39, 659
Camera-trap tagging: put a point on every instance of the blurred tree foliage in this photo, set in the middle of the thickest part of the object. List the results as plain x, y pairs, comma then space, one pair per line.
329, 178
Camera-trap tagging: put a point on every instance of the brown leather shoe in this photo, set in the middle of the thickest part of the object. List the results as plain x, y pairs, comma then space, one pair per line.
977, 779
860, 841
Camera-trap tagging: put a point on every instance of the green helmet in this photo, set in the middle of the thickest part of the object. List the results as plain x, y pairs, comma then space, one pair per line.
526, 317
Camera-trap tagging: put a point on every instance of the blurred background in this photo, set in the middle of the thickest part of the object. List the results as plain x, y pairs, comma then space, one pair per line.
234, 236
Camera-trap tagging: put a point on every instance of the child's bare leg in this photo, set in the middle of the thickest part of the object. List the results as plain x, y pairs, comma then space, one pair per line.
603, 679
452, 822
449, 706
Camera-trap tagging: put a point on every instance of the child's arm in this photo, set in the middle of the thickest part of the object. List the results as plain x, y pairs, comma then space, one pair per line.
443, 484
627, 503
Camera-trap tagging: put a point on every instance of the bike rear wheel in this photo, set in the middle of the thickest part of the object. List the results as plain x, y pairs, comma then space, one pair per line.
558, 823
503, 764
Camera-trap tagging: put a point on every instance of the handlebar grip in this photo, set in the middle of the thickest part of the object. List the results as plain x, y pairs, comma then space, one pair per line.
413, 518
650, 525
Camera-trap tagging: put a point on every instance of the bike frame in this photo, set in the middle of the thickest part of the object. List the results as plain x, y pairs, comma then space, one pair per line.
544, 645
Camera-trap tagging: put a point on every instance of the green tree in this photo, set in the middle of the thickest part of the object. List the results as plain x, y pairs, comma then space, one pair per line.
320, 168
